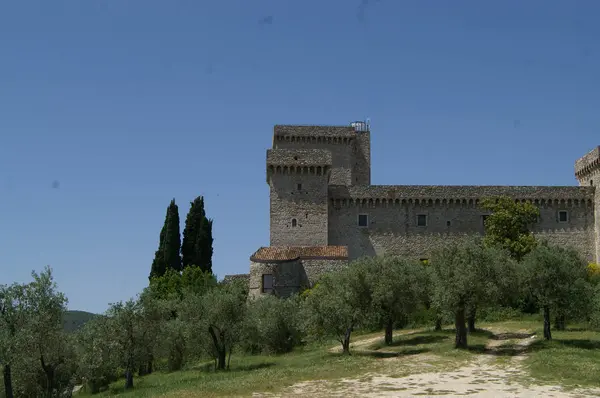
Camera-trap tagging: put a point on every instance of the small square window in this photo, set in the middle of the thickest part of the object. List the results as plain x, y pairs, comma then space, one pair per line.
448, 223
563, 216
299, 187
267, 283
363, 220
422, 220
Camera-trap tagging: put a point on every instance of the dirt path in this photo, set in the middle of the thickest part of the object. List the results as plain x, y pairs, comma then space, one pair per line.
482, 378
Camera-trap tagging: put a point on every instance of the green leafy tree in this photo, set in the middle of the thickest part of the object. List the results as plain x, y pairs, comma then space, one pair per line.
167, 256
340, 302
126, 330
96, 346
47, 340
197, 245
214, 321
13, 318
272, 325
509, 225
465, 276
398, 288
557, 279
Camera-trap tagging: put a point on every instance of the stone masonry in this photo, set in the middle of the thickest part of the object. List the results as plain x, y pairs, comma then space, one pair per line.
324, 212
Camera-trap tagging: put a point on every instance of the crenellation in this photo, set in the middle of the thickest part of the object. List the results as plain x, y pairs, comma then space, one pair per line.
322, 201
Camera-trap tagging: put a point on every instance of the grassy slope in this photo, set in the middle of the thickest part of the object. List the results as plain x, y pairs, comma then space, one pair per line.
572, 358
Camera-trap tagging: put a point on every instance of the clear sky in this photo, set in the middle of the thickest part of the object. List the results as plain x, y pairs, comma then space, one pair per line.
109, 109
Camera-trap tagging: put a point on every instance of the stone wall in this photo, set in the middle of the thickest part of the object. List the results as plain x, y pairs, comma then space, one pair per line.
290, 277
393, 211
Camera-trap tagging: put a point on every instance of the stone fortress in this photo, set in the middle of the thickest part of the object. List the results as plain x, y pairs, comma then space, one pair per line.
324, 211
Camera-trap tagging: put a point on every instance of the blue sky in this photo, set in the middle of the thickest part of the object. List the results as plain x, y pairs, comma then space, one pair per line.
127, 104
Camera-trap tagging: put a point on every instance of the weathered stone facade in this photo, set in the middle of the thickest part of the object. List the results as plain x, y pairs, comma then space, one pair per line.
321, 197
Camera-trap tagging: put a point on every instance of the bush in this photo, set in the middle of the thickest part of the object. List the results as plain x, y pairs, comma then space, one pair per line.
272, 325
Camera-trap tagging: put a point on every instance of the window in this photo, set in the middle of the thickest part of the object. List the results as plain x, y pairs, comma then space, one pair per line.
421, 220
563, 216
294, 222
299, 187
363, 220
448, 223
267, 283
483, 218
591, 183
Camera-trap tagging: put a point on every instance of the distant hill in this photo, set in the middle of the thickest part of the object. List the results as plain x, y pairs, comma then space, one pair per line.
73, 320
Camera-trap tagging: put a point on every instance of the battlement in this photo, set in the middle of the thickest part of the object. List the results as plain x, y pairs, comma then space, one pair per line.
291, 132
298, 157
588, 163
458, 195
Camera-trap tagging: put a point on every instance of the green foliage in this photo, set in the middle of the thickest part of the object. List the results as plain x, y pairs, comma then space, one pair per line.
196, 248
125, 321
339, 303
509, 225
468, 275
272, 325
96, 358
556, 278
167, 256
214, 321
174, 285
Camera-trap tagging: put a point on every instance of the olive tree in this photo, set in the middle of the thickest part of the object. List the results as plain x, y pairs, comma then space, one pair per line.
398, 287
556, 278
339, 303
465, 276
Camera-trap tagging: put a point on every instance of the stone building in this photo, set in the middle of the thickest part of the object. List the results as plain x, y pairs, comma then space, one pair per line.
324, 211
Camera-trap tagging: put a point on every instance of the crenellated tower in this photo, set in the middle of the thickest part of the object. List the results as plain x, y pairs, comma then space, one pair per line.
298, 181
304, 162
587, 172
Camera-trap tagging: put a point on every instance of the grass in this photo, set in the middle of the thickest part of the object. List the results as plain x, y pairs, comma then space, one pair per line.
571, 359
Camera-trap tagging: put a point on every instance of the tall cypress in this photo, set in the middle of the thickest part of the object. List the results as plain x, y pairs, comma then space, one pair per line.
167, 255
196, 248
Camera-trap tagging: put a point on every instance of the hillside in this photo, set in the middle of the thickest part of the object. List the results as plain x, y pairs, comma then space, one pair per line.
73, 320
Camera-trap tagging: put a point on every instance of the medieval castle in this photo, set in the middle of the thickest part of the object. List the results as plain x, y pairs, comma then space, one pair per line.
325, 212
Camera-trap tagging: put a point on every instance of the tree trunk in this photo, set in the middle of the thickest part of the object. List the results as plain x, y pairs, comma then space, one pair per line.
461, 331
547, 332
389, 331
229, 358
128, 379
222, 359
219, 347
438, 324
471, 323
49, 373
346, 342
8, 387
149, 366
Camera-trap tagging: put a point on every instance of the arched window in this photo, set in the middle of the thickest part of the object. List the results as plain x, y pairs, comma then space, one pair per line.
294, 222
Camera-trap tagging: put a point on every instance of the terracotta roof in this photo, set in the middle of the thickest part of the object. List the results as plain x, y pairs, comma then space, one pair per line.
291, 253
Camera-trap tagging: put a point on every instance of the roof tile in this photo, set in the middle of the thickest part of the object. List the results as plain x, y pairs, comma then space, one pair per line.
291, 253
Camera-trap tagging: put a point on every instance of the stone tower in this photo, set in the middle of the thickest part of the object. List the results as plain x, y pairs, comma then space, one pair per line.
587, 171
304, 162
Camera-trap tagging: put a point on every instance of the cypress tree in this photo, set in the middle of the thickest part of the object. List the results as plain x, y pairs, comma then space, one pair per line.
196, 248
167, 255
172, 239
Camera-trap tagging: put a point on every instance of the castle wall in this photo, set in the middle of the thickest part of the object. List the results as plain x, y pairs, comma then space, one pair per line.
392, 217
587, 171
